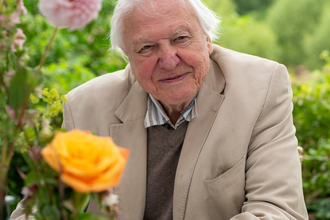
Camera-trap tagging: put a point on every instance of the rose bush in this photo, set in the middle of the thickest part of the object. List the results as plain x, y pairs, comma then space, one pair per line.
86, 162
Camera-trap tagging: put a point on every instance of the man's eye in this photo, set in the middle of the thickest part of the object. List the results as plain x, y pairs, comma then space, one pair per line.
181, 39
145, 49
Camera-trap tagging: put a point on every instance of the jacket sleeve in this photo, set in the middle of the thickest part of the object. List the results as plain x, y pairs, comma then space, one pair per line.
273, 170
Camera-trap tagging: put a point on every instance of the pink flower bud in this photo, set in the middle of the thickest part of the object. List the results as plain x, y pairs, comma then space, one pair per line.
19, 40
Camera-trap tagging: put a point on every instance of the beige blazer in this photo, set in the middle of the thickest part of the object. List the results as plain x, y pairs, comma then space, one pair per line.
239, 159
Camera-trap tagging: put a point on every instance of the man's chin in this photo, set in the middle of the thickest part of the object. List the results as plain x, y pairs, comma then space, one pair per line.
178, 102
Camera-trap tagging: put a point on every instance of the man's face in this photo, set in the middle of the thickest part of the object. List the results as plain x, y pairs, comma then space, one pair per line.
167, 50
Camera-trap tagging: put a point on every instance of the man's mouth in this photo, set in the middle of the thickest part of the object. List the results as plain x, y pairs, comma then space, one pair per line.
174, 79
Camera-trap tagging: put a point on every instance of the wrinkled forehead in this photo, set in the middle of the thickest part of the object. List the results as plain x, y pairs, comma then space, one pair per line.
147, 15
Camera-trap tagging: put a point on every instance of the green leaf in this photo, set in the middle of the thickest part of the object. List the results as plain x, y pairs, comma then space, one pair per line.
19, 89
51, 211
32, 178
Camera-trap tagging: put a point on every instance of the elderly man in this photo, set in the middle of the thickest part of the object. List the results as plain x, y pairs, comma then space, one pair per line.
210, 130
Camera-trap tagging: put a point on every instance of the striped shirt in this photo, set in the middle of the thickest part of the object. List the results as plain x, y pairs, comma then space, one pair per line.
156, 114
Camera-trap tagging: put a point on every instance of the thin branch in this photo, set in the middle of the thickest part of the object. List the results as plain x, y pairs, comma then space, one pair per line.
43, 58
21, 114
4, 149
10, 152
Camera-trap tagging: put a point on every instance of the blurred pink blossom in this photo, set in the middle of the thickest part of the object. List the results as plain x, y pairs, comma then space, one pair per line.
74, 14
10, 112
21, 7
9, 20
8, 76
19, 40
34, 152
13, 18
12, 116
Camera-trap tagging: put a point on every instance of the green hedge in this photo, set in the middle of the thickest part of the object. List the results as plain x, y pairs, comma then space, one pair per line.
292, 21
311, 98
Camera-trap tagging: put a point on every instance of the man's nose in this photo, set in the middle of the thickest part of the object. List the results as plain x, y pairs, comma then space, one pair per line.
168, 59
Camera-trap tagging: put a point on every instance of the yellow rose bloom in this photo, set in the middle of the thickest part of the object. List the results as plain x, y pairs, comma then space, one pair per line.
88, 163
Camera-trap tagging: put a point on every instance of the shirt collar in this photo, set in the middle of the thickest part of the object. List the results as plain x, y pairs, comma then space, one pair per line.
156, 114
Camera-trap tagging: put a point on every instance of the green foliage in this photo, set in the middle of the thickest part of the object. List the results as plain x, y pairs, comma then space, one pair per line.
224, 8
312, 108
291, 21
65, 76
247, 35
244, 6
312, 121
244, 34
317, 41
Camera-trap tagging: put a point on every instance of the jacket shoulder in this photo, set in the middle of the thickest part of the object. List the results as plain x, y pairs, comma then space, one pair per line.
92, 105
243, 70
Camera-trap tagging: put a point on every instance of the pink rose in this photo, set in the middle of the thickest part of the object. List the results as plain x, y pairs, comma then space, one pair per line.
74, 14
19, 40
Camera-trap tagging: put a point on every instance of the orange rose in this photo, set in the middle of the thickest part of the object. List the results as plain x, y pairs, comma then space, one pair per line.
89, 163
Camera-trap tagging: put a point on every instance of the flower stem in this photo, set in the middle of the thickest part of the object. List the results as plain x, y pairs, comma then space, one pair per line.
4, 149
43, 58
42, 61
3, 176
4, 166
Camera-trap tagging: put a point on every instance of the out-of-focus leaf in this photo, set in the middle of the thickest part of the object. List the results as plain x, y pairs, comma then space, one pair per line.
19, 89
51, 212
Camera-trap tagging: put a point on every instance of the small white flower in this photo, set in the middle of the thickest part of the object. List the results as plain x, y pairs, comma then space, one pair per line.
111, 200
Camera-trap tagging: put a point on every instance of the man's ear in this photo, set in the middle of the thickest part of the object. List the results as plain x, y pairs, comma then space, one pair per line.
209, 44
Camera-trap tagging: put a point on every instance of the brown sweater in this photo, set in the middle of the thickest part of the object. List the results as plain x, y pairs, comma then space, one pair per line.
164, 148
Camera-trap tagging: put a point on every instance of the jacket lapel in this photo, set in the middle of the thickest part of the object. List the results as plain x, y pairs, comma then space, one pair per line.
209, 100
131, 134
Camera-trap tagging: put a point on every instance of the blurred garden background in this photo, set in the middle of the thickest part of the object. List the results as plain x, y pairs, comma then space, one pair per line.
293, 32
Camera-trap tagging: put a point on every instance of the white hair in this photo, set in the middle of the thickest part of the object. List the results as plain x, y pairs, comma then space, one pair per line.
208, 20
